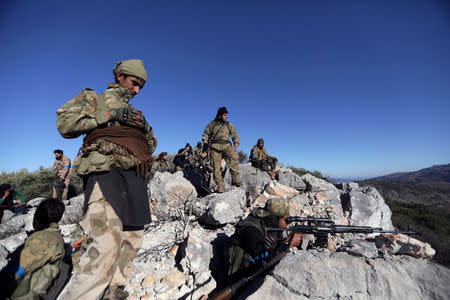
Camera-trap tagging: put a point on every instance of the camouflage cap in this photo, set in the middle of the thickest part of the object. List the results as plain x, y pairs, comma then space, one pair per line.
278, 207
133, 67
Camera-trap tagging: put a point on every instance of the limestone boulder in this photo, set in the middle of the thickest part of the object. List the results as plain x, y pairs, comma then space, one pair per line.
321, 275
220, 209
74, 210
365, 206
403, 244
289, 178
169, 193
361, 248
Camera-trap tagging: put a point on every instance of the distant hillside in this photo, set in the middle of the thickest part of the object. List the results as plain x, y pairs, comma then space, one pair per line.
438, 173
430, 186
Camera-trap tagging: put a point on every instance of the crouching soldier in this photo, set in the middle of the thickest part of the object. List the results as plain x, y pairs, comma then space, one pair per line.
249, 246
42, 255
263, 161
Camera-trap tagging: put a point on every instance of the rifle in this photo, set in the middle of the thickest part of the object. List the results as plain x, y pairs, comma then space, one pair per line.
321, 227
231, 290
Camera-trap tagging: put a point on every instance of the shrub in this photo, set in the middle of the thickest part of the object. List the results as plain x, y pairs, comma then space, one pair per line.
315, 173
39, 183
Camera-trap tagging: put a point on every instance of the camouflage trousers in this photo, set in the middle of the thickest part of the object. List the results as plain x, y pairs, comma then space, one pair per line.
65, 191
108, 260
231, 159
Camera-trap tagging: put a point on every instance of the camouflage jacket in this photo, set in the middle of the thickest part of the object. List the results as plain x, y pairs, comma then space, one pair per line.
258, 154
198, 157
220, 135
41, 258
83, 114
160, 166
63, 167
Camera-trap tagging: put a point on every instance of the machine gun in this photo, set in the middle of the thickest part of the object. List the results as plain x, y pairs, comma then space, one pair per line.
321, 227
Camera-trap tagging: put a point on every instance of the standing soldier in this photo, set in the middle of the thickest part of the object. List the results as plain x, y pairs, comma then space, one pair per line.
216, 138
116, 155
263, 161
63, 170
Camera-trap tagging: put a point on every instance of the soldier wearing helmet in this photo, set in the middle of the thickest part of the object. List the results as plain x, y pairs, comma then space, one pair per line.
249, 245
116, 155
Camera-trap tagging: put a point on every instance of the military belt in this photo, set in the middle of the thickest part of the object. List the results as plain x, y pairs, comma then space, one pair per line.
220, 142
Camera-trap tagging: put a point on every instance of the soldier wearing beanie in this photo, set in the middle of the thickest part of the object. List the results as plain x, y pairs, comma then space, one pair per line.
249, 246
116, 156
216, 138
161, 164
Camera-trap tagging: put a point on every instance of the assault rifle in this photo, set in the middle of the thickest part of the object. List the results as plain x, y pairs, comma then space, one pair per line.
321, 227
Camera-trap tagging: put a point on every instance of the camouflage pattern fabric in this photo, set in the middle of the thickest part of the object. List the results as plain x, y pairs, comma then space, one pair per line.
198, 157
219, 131
63, 169
108, 260
41, 259
231, 159
261, 160
85, 113
160, 166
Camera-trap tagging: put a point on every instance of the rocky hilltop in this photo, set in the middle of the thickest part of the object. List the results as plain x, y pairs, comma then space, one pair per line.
181, 254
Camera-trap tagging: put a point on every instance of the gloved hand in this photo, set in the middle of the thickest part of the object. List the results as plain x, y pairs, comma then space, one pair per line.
129, 117
270, 243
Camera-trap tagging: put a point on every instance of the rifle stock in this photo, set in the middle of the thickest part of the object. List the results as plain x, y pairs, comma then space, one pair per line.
231, 290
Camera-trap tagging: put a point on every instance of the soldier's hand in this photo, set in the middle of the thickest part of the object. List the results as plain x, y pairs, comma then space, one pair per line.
77, 243
297, 239
270, 243
234, 148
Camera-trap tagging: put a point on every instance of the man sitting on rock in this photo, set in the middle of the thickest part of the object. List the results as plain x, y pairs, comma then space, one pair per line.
7, 196
161, 164
249, 246
41, 258
181, 161
263, 161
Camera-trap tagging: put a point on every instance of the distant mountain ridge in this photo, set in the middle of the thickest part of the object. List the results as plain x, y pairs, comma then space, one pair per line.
436, 173
429, 186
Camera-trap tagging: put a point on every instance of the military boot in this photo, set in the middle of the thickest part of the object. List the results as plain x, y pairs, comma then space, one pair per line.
235, 180
220, 186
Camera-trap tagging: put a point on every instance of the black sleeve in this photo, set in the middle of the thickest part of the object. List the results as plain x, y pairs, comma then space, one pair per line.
251, 240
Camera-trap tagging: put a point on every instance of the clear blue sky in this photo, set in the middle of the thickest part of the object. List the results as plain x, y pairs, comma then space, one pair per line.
349, 88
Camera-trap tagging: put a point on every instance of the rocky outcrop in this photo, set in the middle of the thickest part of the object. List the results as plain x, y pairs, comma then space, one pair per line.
220, 209
403, 244
324, 275
168, 193
181, 255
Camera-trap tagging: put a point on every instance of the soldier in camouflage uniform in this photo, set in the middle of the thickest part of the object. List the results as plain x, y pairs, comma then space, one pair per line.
161, 164
63, 168
42, 254
198, 157
116, 155
263, 161
216, 138
249, 246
